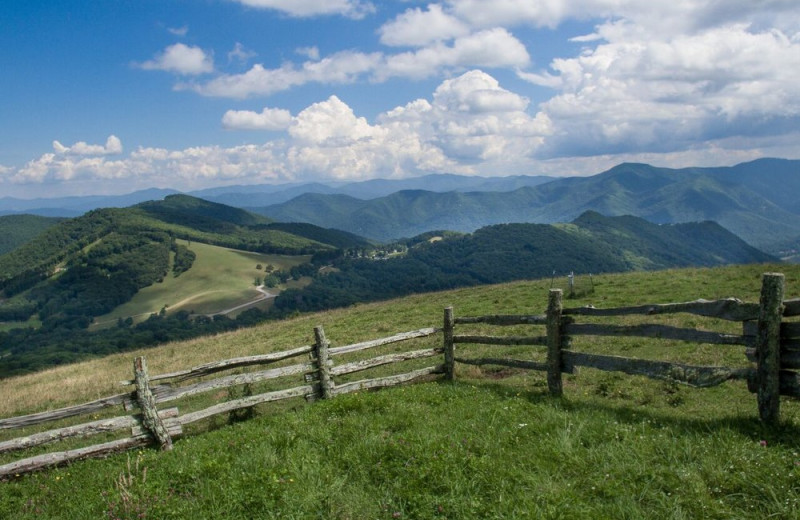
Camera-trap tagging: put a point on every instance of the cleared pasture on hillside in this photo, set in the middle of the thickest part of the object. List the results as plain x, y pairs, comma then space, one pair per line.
220, 278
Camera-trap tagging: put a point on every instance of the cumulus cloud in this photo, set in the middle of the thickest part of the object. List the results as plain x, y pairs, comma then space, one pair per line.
634, 92
469, 122
355, 9
267, 119
181, 59
657, 16
416, 28
113, 146
490, 48
342, 67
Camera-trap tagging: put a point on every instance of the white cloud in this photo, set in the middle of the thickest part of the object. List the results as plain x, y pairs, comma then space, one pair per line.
178, 31
267, 119
494, 48
343, 67
470, 124
181, 59
355, 9
417, 28
634, 92
113, 146
485, 49
311, 53
240, 53
657, 16
330, 122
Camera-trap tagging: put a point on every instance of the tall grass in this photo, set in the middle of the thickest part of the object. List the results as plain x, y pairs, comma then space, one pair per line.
490, 445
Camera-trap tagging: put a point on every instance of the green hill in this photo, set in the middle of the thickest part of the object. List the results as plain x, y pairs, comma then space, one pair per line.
85, 267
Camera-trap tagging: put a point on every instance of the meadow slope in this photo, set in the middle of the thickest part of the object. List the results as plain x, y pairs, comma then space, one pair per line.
491, 445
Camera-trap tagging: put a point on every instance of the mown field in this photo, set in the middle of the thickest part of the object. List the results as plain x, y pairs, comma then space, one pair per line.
220, 278
491, 445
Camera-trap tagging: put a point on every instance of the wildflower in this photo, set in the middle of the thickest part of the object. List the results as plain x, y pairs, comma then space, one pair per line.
763, 443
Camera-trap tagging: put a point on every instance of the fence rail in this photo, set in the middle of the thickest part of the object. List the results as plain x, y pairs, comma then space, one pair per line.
162, 426
771, 345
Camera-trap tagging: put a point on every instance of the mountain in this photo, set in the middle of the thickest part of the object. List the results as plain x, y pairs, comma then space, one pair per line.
592, 243
78, 205
16, 230
257, 195
263, 195
84, 267
758, 201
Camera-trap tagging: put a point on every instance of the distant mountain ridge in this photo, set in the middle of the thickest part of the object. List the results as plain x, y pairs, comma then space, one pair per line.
758, 201
242, 196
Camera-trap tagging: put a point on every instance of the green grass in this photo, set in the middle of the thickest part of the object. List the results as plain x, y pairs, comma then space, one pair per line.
220, 278
491, 445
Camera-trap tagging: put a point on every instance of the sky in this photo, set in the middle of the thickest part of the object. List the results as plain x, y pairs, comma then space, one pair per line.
113, 96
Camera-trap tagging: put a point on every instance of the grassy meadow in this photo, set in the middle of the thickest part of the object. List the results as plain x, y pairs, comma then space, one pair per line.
492, 444
220, 278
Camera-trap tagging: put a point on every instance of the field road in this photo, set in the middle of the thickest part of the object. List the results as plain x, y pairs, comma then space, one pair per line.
265, 295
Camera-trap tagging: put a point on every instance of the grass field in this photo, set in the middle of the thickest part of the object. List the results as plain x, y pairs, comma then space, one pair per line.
220, 278
491, 445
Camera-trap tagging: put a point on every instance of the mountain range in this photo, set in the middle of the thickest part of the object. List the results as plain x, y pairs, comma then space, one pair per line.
266, 194
759, 201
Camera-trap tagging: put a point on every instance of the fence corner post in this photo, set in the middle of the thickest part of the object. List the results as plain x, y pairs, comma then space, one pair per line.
147, 402
768, 345
449, 345
323, 363
554, 308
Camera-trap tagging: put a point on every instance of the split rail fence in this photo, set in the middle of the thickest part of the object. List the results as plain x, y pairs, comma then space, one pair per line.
770, 343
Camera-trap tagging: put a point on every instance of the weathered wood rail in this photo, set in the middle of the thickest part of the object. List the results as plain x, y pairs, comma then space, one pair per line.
771, 345
150, 425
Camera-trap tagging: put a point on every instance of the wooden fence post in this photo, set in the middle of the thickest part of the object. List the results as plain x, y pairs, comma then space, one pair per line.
449, 345
323, 363
768, 346
144, 396
554, 343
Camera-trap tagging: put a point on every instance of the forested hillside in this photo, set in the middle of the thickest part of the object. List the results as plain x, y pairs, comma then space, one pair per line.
504, 252
16, 230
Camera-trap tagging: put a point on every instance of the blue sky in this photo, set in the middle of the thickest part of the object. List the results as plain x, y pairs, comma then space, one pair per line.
112, 96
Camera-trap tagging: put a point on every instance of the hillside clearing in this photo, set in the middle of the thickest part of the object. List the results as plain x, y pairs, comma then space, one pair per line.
220, 278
